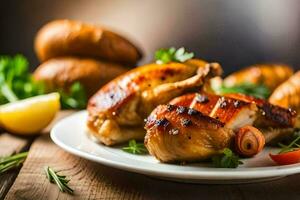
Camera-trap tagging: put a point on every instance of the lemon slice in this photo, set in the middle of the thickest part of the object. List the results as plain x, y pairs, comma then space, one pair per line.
30, 115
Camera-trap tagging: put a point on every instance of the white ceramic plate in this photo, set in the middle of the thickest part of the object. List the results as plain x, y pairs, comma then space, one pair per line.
71, 135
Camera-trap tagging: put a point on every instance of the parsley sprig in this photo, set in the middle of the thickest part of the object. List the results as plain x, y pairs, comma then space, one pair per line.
16, 82
256, 90
226, 160
11, 162
75, 98
60, 180
163, 56
135, 148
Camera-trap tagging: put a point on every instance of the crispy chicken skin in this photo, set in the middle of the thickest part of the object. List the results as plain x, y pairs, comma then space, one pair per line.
204, 103
238, 110
270, 115
270, 75
287, 94
128, 99
232, 112
221, 107
177, 133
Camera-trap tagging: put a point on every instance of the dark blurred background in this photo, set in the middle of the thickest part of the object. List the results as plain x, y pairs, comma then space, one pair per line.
233, 32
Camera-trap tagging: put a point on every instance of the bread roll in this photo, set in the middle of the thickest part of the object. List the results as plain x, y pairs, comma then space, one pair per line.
64, 71
74, 38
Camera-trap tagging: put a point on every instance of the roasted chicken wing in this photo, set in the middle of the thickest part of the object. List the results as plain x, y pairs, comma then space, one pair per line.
177, 133
288, 93
270, 115
117, 110
232, 112
271, 75
238, 110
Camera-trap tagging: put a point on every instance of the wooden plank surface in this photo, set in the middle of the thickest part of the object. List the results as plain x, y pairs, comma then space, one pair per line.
94, 181
11, 144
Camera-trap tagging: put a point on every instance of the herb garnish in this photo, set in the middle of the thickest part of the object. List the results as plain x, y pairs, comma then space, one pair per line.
10, 162
75, 98
290, 147
163, 56
59, 180
135, 148
227, 160
256, 90
16, 82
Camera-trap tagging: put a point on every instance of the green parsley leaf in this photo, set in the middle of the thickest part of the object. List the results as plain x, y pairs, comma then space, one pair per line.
75, 98
16, 81
256, 90
226, 160
135, 148
163, 56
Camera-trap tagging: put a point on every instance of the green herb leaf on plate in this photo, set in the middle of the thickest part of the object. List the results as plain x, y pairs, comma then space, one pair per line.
294, 145
226, 160
135, 148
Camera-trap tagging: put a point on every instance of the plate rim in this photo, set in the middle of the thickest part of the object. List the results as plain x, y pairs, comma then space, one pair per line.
217, 174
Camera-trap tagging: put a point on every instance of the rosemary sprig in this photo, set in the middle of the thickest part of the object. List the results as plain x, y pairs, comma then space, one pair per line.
59, 180
135, 148
291, 147
11, 162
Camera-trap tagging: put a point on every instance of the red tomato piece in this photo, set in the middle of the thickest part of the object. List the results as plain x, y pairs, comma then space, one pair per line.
287, 158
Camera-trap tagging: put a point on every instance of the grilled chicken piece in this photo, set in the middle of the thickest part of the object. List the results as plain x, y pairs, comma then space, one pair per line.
288, 93
270, 115
270, 75
204, 103
117, 110
177, 133
232, 112
273, 121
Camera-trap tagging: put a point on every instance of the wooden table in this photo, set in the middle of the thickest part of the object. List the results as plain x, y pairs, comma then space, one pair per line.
94, 181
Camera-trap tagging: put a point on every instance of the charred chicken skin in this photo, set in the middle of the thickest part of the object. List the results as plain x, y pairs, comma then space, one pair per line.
177, 133
117, 110
237, 110
232, 112
193, 118
220, 107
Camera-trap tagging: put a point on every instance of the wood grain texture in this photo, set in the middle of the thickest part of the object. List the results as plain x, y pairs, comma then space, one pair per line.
94, 181
11, 144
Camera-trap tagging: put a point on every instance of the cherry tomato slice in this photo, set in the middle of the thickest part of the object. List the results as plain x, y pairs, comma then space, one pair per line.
291, 157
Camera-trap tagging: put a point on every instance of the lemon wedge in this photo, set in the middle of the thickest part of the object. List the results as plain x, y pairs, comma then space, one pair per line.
30, 115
